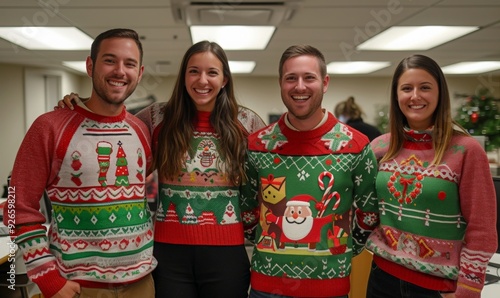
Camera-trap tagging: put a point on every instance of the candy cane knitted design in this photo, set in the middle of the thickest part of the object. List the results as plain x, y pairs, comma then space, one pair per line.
93, 169
201, 206
437, 221
306, 183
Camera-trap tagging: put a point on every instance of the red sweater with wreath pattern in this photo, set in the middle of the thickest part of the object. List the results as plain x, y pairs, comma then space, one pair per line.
437, 222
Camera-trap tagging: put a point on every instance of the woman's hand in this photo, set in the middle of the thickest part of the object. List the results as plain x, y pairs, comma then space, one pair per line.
68, 101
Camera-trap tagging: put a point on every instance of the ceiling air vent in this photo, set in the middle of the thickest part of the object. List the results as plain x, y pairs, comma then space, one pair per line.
213, 13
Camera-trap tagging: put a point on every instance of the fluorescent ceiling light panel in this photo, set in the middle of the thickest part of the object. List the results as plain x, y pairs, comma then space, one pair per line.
355, 67
241, 66
405, 38
80, 66
234, 37
471, 67
47, 38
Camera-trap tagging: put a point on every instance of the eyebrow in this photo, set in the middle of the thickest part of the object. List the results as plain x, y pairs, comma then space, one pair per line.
109, 55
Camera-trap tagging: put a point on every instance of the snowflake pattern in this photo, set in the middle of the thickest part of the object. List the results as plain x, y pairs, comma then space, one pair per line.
358, 180
302, 175
369, 165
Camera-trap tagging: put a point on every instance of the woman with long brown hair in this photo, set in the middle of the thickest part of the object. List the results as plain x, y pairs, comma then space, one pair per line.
199, 147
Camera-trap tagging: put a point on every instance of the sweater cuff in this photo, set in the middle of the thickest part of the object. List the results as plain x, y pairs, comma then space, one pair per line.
50, 283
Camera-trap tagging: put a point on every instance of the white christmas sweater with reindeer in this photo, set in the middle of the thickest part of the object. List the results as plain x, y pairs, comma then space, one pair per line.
306, 183
201, 206
93, 169
437, 222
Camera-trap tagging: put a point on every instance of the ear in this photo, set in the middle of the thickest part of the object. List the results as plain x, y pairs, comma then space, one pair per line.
141, 71
326, 82
89, 65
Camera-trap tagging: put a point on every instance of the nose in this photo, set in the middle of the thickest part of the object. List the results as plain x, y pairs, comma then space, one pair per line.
415, 94
119, 69
300, 85
203, 78
295, 215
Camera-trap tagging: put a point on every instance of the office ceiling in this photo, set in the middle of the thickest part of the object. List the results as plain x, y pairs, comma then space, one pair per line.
335, 27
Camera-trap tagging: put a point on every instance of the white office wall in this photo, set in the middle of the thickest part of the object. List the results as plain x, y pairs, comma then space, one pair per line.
258, 93
11, 116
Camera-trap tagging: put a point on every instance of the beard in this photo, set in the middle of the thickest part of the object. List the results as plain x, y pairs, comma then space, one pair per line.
109, 97
297, 229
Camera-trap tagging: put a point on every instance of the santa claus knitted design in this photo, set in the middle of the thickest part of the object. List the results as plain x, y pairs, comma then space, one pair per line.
307, 183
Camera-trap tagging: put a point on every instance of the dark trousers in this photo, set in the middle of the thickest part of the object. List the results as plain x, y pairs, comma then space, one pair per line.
257, 294
200, 271
383, 285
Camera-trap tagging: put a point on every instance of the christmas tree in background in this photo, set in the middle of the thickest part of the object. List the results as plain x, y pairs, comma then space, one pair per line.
479, 114
382, 119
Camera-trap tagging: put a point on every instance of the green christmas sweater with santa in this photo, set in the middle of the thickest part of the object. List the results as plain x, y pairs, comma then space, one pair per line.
92, 168
201, 206
437, 222
306, 183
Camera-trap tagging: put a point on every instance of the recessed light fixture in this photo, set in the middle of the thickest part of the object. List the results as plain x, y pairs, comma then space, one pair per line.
80, 66
47, 38
241, 66
234, 37
355, 67
471, 67
405, 38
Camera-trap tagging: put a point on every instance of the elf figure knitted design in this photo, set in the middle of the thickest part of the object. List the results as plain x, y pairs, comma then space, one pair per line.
101, 230
306, 183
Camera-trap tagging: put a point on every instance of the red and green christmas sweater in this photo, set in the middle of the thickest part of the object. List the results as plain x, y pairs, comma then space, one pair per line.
437, 222
201, 206
306, 184
93, 169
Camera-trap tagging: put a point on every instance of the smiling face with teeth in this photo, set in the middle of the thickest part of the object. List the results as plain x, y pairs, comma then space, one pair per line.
115, 75
204, 80
302, 88
418, 96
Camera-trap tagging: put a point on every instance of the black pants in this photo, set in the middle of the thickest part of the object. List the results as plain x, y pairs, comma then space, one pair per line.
384, 285
198, 271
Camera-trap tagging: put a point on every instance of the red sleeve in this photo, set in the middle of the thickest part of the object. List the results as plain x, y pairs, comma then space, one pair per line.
478, 205
35, 166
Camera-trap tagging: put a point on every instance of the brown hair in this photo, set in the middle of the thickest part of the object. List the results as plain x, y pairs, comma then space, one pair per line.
302, 50
348, 108
114, 33
178, 119
443, 129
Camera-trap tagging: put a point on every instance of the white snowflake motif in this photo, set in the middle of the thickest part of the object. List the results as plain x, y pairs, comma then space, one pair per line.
358, 180
303, 175
369, 165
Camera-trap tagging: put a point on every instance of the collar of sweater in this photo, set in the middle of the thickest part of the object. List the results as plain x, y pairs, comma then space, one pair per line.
99, 118
418, 135
202, 122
